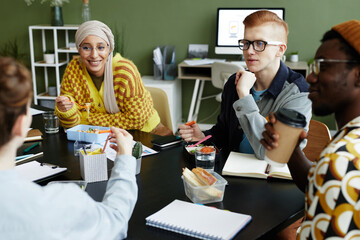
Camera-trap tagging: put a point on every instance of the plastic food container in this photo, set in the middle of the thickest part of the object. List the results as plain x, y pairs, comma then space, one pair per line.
206, 194
189, 152
74, 135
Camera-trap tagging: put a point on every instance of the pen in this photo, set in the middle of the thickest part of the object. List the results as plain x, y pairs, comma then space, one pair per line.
31, 147
26, 159
23, 156
83, 147
107, 139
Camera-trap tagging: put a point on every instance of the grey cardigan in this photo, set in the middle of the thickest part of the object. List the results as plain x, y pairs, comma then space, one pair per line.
287, 90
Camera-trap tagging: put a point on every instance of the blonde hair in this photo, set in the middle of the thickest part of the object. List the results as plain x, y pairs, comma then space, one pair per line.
264, 16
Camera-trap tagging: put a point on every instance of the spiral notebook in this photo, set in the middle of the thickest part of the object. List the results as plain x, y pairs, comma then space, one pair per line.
198, 220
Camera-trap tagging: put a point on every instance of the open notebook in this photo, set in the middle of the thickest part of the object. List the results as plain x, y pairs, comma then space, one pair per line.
198, 220
247, 165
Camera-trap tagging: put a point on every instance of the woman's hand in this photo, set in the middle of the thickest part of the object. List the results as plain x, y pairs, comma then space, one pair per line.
63, 103
123, 139
191, 133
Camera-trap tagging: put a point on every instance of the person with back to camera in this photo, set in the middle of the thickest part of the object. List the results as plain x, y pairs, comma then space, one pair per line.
331, 183
56, 211
111, 85
249, 96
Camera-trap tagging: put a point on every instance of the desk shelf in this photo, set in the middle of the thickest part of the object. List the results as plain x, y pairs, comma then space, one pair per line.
202, 72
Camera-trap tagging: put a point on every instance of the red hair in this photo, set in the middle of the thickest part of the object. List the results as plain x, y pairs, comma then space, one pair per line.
264, 16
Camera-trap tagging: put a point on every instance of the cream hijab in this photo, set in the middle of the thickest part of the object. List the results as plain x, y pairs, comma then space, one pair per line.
99, 29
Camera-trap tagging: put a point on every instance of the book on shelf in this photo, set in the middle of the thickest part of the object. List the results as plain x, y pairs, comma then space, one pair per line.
198, 220
33, 135
247, 165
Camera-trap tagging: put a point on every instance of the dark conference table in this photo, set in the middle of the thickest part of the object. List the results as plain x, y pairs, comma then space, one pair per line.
273, 203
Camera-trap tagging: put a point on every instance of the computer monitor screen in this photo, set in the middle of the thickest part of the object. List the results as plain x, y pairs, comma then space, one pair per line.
230, 27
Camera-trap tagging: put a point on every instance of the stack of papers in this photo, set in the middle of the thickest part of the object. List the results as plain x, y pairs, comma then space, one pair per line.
34, 111
203, 61
158, 58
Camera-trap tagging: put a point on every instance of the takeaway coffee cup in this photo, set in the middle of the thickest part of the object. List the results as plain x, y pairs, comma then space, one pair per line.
289, 125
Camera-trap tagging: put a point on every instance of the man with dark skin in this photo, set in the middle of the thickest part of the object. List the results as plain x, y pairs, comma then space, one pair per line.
331, 183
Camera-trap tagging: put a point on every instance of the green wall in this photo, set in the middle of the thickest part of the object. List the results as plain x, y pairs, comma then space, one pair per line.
146, 24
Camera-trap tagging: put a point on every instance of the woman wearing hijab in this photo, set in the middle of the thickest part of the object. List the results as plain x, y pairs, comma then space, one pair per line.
56, 211
104, 90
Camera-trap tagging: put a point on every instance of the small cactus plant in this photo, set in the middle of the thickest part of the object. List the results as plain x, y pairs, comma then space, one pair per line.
137, 150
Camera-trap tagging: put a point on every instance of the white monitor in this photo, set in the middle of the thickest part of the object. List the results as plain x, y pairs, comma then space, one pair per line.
230, 27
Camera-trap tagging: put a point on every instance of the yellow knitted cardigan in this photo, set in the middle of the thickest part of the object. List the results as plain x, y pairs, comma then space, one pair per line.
134, 101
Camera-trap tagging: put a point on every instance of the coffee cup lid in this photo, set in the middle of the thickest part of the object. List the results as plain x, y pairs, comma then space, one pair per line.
291, 117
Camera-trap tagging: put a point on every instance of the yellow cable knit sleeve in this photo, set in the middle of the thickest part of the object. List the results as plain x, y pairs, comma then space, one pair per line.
73, 85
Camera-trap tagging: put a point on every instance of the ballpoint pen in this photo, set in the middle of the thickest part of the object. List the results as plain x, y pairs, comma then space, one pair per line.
31, 157
31, 147
83, 147
23, 156
107, 139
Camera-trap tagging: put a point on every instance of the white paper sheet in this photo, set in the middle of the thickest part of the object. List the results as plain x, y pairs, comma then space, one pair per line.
34, 171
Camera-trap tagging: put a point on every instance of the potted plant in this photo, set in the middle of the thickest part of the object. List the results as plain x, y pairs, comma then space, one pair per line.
294, 56
137, 152
56, 10
49, 56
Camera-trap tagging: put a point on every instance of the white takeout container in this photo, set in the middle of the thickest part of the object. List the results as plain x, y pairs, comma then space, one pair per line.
74, 135
206, 194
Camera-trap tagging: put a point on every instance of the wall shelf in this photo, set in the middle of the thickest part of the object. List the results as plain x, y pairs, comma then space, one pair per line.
64, 51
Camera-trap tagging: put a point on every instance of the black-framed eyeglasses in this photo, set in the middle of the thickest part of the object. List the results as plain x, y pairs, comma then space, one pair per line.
88, 49
315, 67
258, 45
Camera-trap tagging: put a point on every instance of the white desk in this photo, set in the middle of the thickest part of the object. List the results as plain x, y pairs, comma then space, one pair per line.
173, 92
202, 73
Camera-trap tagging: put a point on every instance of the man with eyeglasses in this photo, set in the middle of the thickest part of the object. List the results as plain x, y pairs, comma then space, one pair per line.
331, 183
249, 96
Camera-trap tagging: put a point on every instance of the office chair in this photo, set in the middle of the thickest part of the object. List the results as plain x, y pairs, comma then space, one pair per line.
220, 73
318, 137
161, 104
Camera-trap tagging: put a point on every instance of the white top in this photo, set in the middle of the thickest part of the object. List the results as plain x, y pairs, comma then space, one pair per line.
64, 211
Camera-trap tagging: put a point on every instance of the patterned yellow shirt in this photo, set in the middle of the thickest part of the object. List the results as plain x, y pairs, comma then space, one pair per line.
134, 101
332, 203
